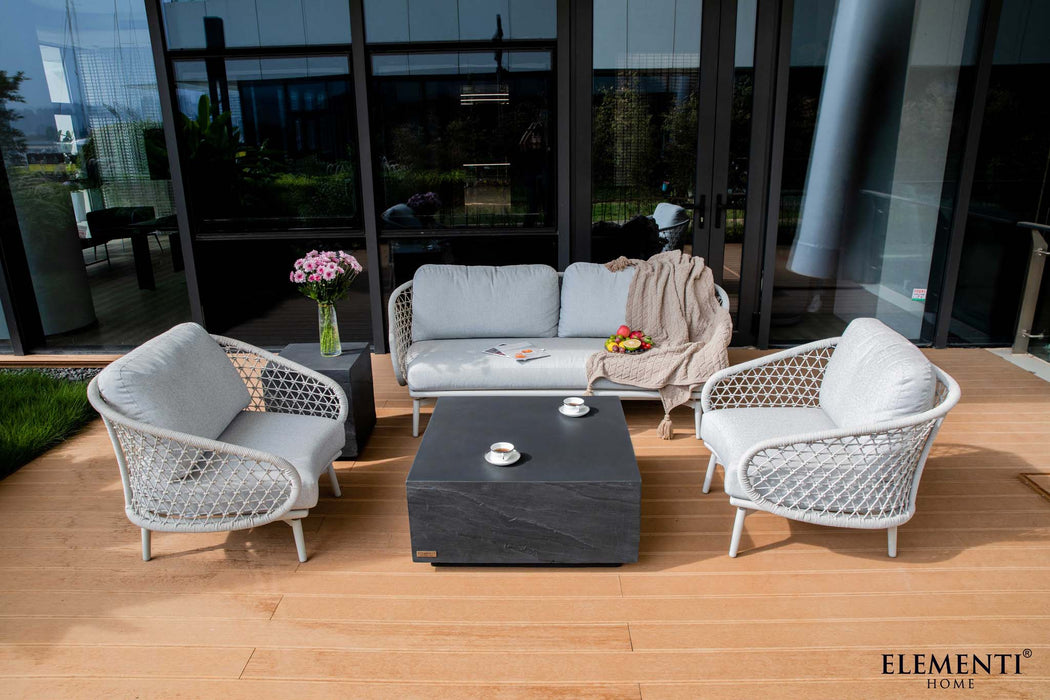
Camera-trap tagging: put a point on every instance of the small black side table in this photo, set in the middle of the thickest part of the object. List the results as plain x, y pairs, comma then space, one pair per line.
353, 371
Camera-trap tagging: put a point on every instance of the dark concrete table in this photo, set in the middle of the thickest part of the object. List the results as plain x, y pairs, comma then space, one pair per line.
353, 371
573, 498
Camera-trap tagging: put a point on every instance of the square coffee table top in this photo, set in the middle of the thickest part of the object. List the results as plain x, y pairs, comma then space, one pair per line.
553, 447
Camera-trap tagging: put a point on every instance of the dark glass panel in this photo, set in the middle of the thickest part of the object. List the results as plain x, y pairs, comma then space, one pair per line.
79, 138
257, 23
388, 21
465, 139
870, 164
1010, 183
644, 129
246, 293
269, 144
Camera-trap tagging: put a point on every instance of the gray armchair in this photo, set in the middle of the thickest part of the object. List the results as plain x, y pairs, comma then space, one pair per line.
835, 432
214, 435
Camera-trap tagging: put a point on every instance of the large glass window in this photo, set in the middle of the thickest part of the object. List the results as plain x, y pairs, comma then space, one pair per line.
82, 140
269, 143
400, 21
5, 334
464, 139
644, 125
252, 23
246, 294
1010, 182
869, 162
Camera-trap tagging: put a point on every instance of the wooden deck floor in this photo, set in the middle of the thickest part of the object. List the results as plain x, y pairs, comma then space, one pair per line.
804, 612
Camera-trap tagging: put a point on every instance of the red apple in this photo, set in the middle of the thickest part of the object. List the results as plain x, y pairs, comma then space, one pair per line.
637, 334
623, 330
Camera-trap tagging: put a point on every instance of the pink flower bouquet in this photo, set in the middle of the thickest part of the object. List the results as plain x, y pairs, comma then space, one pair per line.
326, 277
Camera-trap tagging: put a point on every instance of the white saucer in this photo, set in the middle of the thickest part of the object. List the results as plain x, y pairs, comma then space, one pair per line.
514, 457
573, 414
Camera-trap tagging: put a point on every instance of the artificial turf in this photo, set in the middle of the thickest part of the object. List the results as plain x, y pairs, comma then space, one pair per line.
36, 413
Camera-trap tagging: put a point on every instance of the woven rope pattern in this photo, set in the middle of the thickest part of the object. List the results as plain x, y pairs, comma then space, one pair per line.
177, 486
278, 387
790, 381
401, 329
843, 481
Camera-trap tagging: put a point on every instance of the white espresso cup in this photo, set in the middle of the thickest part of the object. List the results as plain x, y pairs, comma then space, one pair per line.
574, 404
502, 451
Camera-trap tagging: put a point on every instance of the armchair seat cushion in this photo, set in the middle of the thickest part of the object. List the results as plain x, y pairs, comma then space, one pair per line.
731, 432
460, 365
307, 442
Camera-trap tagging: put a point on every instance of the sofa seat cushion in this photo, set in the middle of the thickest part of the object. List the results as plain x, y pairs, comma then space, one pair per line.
874, 375
307, 442
731, 432
460, 365
593, 300
181, 380
466, 301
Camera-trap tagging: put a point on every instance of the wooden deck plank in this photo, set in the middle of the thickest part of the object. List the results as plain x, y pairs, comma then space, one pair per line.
805, 611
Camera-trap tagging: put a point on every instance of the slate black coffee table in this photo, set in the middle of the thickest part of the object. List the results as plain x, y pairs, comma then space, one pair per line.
574, 497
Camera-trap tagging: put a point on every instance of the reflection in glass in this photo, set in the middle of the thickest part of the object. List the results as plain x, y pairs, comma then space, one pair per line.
1010, 184
644, 129
252, 299
465, 139
268, 143
869, 159
392, 21
5, 334
255, 23
84, 150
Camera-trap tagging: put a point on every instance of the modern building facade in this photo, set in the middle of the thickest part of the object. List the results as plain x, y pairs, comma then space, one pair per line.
167, 160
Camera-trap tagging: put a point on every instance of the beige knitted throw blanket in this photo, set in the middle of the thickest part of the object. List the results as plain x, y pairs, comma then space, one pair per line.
672, 298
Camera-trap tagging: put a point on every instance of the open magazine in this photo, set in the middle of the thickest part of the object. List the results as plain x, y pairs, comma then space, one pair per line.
520, 352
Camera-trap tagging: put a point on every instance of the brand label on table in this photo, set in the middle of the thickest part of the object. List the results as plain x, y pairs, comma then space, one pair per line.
426, 554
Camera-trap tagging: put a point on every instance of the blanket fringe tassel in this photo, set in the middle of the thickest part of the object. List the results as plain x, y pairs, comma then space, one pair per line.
666, 429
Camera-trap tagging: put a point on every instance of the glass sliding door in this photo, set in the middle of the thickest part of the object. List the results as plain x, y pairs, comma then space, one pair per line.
82, 141
644, 127
1010, 184
870, 162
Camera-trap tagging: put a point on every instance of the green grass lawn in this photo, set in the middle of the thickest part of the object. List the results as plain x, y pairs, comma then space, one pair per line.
36, 413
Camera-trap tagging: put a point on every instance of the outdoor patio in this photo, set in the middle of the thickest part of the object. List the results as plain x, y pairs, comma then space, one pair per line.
235, 615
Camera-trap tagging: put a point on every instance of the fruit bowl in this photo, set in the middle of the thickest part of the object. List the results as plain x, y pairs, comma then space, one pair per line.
628, 342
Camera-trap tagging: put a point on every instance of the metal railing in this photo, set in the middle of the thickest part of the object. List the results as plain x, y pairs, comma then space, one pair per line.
1032, 282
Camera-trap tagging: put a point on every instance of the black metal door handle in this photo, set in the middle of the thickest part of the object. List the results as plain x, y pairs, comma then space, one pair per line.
720, 210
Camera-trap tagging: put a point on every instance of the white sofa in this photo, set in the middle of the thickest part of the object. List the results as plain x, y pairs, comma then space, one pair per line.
443, 319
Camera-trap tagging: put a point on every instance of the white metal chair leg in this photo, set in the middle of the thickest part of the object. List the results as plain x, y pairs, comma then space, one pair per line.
335, 481
697, 414
710, 472
891, 539
146, 555
415, 417
738, 530
300, 541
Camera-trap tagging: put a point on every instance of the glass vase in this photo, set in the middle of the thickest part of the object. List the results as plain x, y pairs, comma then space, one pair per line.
328, 329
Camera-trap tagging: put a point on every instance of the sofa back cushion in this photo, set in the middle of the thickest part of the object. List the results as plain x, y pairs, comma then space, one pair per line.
476, 301
593, 300
181, 380
874, 375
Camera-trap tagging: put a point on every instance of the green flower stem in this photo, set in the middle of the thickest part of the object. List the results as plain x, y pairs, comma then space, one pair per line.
329, 331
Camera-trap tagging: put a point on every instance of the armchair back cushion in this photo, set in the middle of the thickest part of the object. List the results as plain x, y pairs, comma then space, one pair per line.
593, 300
181, 380
480, 301
875, 374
